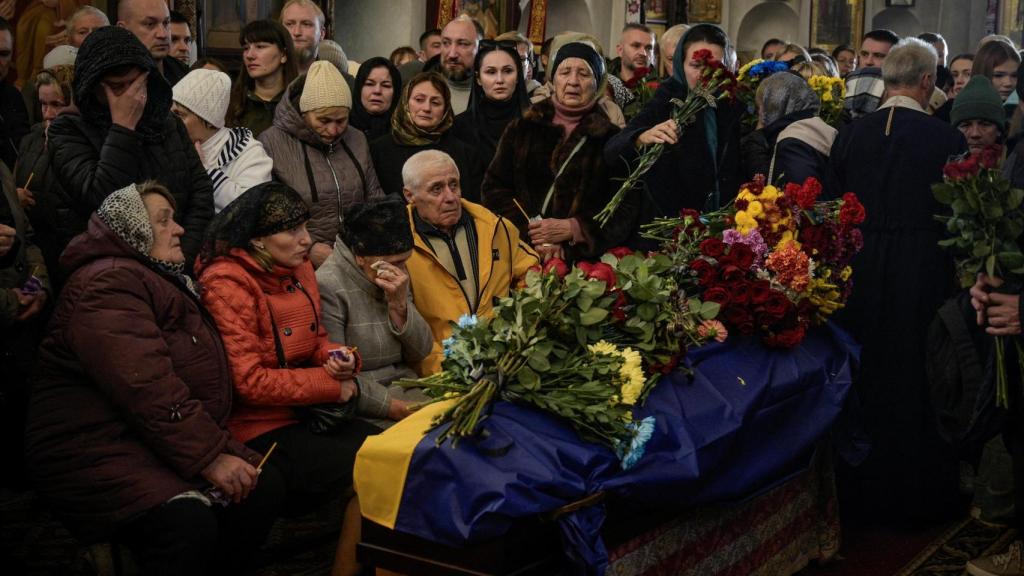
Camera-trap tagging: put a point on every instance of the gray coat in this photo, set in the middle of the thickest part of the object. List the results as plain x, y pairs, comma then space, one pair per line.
355, 313
342, 173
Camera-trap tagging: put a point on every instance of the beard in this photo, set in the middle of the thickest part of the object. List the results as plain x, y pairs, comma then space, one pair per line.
455, 73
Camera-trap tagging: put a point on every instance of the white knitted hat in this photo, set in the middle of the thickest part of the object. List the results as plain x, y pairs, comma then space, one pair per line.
206, 93
63, 55
325, 87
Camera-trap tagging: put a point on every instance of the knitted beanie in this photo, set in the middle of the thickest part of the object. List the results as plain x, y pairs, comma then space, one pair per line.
206, 93
978, 100
60, 56
324, 88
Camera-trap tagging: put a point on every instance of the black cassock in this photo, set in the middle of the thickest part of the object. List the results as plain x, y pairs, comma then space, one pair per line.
890, 159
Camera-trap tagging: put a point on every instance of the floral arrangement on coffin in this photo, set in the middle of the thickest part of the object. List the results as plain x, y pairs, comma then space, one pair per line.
831, 91
985, 226
585, 343
749, 78
716, 83
776, 261
643, 84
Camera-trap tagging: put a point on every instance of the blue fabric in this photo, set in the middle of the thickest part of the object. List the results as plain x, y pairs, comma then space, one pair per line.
747, 419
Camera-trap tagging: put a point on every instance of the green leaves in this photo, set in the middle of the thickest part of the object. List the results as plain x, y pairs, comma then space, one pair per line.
593, 316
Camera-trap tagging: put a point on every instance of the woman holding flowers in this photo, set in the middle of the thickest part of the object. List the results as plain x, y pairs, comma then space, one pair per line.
701, 166
549, 174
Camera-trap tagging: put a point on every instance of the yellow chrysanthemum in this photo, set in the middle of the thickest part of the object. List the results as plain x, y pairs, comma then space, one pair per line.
755, 209
632, 375
604, 347
769, 193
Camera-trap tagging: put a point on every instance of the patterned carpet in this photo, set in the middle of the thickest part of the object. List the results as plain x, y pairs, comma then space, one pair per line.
948, 554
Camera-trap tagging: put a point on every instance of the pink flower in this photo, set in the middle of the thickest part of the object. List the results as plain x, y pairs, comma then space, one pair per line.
713, 329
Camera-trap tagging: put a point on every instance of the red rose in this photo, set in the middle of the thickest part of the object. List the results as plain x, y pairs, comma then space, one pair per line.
741, 255
739, 291
706, 273
585, 267
620, 252
739, 319
603, 273
558, 266
777, 305
717, 294
712, 248
852, 212
760, 290
952, 171
731, 272
619, 307
702, 55
990, 155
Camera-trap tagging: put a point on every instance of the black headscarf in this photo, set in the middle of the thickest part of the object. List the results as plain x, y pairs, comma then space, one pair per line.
374, 125
112, 47
262, 210
486, 119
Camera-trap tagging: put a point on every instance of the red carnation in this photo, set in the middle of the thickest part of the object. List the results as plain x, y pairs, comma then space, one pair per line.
620, 252
706, 273
807, 194
852, 212
558, 266
693, 218
712, 248
604, 273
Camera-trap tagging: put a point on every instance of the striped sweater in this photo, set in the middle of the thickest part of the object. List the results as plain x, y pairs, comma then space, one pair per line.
235, 161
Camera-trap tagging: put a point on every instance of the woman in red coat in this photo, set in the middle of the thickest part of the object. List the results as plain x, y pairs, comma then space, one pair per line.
259, 285
126, 433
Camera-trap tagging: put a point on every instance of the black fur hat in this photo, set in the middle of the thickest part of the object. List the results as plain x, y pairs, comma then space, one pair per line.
378, 228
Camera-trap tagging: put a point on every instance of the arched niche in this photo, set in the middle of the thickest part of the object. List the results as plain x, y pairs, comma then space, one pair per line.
900, 20
764, 21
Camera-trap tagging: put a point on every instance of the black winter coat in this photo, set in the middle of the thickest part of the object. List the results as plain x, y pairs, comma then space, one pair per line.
14, 123
529, 155
389, 156
55, 217
685, 175
132, 392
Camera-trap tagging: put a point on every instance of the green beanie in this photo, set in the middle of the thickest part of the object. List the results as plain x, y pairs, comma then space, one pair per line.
978, 100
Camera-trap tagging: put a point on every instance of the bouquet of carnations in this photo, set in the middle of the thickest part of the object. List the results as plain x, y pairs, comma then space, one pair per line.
776, 261
716, 83
585, 343
831, 91
747, 81
985, 226
643, 84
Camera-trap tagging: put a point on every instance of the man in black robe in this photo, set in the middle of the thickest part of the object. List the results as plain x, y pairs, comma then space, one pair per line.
890, 159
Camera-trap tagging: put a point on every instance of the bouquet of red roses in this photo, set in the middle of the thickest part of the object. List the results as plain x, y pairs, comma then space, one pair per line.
776, 261
986, 223
716, 83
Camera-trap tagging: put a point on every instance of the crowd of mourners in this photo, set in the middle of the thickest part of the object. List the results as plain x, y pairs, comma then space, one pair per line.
199, 271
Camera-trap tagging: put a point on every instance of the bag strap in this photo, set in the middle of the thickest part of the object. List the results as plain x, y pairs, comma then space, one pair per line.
314, 195
278, 347
551, 190
359, 167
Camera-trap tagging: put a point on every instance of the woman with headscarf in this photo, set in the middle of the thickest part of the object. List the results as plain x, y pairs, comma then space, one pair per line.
259, 286
700, 167
498, 97
127, 427
798, 140
125, 133
423, 121
315, 153
551, 163
377, 87
367, 303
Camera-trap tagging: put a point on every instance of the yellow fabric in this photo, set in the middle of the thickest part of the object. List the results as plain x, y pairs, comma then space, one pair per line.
503, 262
383, 463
